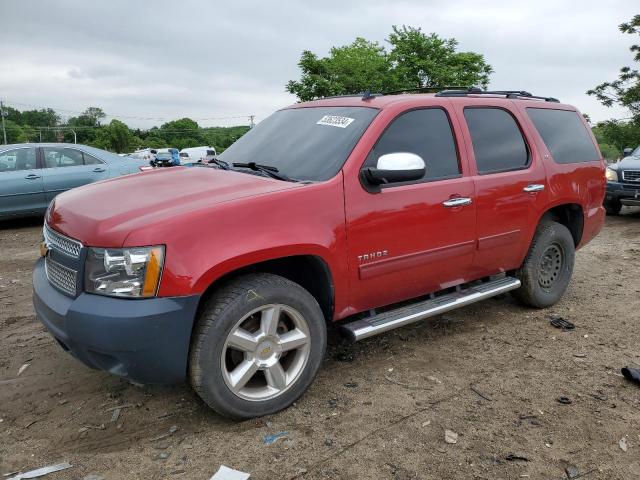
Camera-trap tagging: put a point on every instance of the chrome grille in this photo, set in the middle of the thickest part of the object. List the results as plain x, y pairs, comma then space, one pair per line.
60, 276
631, 175
65, 245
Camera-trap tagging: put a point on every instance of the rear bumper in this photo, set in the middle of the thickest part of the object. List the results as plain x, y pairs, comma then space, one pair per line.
625, 193
146, 341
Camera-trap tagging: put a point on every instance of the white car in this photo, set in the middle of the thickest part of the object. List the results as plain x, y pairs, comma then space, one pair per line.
195, 154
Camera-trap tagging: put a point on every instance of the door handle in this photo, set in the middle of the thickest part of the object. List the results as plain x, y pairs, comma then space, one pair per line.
32, 176
98, 169
456, 202
534, 187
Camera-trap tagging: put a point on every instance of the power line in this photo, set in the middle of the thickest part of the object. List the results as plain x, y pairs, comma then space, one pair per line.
135, 117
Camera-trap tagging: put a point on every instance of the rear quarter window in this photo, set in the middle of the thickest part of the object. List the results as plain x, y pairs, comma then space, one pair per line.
564, 134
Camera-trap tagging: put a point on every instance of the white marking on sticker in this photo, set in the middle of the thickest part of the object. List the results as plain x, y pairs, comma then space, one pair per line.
335, 121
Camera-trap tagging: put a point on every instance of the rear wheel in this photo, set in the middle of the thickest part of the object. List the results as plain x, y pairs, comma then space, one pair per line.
548, 266
257, 346
613, 207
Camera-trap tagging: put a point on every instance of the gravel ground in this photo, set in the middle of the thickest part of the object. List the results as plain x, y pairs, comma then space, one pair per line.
492, 373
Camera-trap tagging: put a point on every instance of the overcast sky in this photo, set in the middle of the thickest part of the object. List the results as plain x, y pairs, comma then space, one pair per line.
170, 59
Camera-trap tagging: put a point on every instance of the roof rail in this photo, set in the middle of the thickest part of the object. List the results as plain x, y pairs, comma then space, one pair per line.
511, 94
425, 89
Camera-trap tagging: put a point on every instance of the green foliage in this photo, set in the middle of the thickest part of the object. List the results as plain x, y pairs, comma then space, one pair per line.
421, 60
116, 136
615, 135
119, 136
625, 91
414, 60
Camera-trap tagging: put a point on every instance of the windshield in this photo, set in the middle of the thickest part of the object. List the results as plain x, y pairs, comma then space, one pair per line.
636, 152
163, 156
303, 143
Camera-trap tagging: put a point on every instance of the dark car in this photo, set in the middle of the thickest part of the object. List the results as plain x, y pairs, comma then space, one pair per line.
623, 182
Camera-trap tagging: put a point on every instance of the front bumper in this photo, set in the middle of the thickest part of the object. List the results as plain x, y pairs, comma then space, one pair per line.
625, 193
146, 341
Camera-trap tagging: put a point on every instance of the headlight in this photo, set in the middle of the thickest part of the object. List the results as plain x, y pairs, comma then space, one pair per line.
611, 175
124, 272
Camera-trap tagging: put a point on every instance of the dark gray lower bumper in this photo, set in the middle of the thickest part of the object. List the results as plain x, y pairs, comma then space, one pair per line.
625, 193
146, 341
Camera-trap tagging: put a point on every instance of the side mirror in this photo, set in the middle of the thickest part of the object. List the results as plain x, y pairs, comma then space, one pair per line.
396, 167
627, 151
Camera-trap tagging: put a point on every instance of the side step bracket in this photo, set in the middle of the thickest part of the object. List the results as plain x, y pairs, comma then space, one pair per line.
383, 322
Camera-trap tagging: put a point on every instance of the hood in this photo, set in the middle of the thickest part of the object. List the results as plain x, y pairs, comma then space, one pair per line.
628, 162
104, 213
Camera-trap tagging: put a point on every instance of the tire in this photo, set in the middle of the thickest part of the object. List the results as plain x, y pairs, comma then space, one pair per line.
243, 364
548, 266
613, 207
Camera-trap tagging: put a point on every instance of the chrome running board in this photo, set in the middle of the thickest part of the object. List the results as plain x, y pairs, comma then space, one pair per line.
468, 294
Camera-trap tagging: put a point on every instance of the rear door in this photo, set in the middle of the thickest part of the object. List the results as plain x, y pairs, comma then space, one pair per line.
21, 186
510, 184
67, 168
408, 239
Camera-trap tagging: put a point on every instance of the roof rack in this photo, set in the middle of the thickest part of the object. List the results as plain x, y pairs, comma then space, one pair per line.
424, 89
511, 94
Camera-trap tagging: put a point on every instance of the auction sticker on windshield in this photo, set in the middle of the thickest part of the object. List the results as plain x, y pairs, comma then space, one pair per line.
335, 121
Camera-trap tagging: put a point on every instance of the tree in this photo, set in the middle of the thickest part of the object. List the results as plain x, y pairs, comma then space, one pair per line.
625, 91
415, 60
118, 136
618, 134
421, 60
361, 66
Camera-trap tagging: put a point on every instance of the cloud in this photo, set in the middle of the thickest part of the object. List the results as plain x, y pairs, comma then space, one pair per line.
146, 61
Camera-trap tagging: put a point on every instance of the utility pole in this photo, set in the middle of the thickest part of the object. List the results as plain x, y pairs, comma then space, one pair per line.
251, 121
4, 131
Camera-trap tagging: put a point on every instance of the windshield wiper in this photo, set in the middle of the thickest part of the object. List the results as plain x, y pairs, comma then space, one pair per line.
266, 169
221, 163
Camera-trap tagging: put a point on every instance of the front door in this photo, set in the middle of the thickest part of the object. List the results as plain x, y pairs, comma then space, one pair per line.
67, 167
409, 239
21, 187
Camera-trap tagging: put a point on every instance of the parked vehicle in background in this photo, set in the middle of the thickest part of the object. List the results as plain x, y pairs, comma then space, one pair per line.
375, 210
196, 154
31, 175
623, 182
175, 154
163, 159
147, 154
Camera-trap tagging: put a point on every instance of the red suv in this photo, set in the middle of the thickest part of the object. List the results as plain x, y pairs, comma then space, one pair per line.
374, 210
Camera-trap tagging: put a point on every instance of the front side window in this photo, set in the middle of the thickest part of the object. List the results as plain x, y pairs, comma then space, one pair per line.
498, 145
18, 159
55, 157
426, 133
564, 134
309, 143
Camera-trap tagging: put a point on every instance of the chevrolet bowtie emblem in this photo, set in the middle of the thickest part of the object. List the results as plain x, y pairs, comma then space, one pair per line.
44, 249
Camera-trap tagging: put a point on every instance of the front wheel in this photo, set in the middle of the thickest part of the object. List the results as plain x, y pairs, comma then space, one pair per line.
257, 346
548, 266
613, 207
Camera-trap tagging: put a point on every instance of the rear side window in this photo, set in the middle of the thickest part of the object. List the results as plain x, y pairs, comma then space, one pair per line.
425, 132
90, 159
498, 144
564, 134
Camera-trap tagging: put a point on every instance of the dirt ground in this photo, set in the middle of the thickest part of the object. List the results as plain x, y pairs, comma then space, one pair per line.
379, 409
